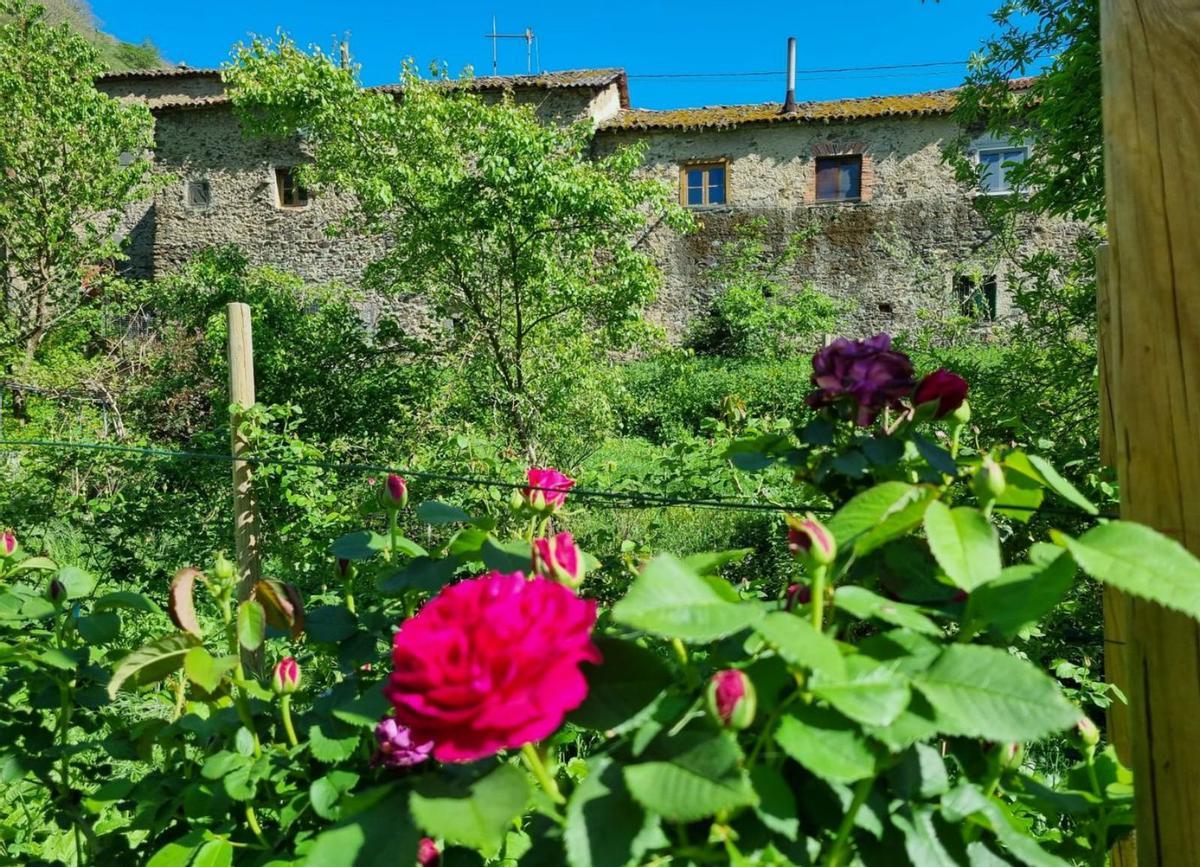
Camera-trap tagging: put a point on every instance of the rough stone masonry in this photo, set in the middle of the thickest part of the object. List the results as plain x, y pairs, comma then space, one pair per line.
897, 234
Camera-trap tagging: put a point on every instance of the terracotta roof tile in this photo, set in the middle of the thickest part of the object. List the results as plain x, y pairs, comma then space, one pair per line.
935, 102
166, 72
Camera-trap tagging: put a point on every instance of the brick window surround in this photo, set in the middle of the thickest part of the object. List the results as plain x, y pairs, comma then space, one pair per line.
838, 150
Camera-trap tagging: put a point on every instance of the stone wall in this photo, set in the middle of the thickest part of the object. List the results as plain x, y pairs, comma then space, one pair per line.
892, 255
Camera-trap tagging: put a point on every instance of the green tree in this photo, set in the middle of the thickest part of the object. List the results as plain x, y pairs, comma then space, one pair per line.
505, 228
71, 161
1059, 112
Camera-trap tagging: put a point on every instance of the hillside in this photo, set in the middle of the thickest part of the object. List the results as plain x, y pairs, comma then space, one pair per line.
114, 53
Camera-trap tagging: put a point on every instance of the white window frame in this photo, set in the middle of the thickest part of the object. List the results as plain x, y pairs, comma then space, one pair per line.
992, 146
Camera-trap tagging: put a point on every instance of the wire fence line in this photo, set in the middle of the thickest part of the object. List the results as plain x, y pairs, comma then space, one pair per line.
611, 498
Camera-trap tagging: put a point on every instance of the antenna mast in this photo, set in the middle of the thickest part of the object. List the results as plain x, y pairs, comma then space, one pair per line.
529, 38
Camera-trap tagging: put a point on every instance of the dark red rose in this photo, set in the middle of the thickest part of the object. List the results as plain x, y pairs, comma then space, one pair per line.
948, 389
867, 375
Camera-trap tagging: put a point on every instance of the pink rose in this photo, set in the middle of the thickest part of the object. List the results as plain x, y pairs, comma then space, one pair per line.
558, 558
427, 853
491, 663
8, 543
810, 539
285, 679
948, 389
394, 493
547, 489
731, 699
396, 746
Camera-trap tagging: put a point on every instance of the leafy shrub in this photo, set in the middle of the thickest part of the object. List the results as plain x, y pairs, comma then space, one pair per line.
854, 703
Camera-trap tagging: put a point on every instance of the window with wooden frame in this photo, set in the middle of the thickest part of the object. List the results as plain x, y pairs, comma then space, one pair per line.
704, 184
199, 193
994, 166
288, 190
839, 178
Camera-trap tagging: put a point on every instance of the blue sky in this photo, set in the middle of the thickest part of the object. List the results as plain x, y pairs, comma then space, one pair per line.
651, 37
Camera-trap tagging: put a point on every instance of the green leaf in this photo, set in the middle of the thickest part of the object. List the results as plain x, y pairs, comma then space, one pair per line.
204, 670
77, 583
251, 625
329, 624
921, 841
1061, 486
360, 545
966, 800
988, 693
711, 562
628, 680
878, 515
865, 605
214, 853
670, 600
420, 573
1022, 495
826, 743
1140, 561
776, 803
409, 548
366, 710
152, 661
1021, 595
334, 745
964, 543
179, 852
871, 692
604, 822
99, 627
799, 643
326, 791
433, 512
936, 456
42, 564
691, 775
476, 815
380, 835
514, 556
126, 599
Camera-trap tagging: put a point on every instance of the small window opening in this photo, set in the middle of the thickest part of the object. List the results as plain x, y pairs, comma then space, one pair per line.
291, 194
199, 193
839, 179
885, 307
976, 296
705, 185
996, 163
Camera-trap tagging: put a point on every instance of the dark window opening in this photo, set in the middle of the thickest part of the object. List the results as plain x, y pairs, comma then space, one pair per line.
839, 179
886, 308
704, 185
291, 194
199, 193
976, 296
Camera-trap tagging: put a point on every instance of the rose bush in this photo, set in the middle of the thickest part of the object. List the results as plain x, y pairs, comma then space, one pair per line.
464, 700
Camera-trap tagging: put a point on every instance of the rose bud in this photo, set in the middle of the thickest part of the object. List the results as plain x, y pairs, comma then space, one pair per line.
394, 493
224, 572
797, 594
1011, 756
731, 699
8, 544
286, 678
427, 853
811, 540
944, 389
989, 481
559, 559
57, 592
1087, 732
547, 491
341, 568
962, 415
396, 746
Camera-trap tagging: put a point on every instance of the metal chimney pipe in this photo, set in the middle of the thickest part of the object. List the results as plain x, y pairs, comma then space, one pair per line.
789, 104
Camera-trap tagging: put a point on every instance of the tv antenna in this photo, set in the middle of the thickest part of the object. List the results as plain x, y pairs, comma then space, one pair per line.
529, 38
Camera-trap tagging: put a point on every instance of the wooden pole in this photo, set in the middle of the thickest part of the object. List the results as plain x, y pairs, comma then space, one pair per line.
1151, 93
1116, 604
245, 509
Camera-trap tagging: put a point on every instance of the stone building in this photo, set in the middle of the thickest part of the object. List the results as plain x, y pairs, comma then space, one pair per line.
895, 234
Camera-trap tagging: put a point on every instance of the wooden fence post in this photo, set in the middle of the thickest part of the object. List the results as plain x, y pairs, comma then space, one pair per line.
1151, 77
1116, 603
245, 509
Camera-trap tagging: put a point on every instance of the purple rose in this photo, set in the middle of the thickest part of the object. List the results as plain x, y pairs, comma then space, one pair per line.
397, 747
867, 375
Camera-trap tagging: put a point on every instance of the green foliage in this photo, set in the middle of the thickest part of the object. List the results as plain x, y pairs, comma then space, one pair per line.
71, 161
505, 227
113, 53
1059, 112
756, 312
